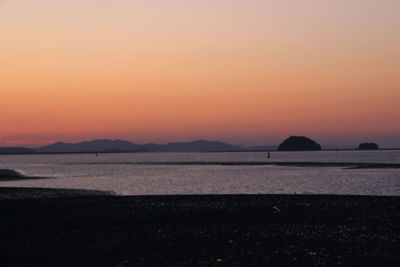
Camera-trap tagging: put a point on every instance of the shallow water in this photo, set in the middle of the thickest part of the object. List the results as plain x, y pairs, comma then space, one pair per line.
124, 174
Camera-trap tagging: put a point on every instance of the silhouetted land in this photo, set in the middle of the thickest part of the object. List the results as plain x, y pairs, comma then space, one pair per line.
254, 230
299, 143
293, 143
368, 146
12, 175
16, 150
126, 146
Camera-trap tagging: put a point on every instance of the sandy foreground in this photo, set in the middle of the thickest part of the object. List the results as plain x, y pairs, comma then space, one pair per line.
44, 227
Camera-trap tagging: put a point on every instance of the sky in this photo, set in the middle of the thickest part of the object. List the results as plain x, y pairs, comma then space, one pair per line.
240, 71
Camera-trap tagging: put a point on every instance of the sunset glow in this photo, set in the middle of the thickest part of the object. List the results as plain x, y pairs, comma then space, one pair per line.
251, 72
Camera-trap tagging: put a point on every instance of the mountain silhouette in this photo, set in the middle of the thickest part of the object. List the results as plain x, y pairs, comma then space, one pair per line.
299, 143
91, 146
126, 146
368, 146
293, 143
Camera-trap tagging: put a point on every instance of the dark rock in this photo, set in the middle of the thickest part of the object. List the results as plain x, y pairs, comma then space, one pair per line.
299, 143
368, 146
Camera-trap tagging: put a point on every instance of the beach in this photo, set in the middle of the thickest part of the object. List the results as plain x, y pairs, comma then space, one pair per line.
66, 228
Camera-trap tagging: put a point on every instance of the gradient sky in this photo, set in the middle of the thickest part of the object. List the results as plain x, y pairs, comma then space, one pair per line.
249, 71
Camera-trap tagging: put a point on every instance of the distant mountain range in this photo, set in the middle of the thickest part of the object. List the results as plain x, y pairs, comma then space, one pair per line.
91, 146
126, 146
114, 146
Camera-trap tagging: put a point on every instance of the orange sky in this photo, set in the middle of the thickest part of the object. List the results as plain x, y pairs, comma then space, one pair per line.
249, 72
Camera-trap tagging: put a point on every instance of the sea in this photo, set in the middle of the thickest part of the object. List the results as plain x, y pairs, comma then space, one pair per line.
201, 173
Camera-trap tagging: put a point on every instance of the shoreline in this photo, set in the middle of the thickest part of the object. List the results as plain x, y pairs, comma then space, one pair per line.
207, 230
24, 193
223, 151
20, 193
7, 175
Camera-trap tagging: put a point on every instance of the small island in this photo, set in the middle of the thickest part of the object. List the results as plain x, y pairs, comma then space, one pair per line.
299, 143
368, 146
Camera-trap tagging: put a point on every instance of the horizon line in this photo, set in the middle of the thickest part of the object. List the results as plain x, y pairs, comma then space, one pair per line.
346, 146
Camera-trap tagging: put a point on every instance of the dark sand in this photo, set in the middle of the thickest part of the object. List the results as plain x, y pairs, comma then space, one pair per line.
256, 230
8, 193
12, 175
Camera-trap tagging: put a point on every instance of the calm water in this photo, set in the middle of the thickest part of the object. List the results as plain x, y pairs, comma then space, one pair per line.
121, 173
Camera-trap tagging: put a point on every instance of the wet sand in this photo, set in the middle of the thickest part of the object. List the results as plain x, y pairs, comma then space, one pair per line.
234, 230
12, 175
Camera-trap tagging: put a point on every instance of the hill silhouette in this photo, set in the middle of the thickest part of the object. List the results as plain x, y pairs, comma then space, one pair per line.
299, 143
91, 146
293, 143
126, 146
368, 146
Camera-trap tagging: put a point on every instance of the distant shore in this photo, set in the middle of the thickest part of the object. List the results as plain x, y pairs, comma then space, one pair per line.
222, 151
208, 230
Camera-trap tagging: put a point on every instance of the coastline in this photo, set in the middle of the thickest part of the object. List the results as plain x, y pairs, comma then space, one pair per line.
222, 151
9, 193
13, 175
192, 230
